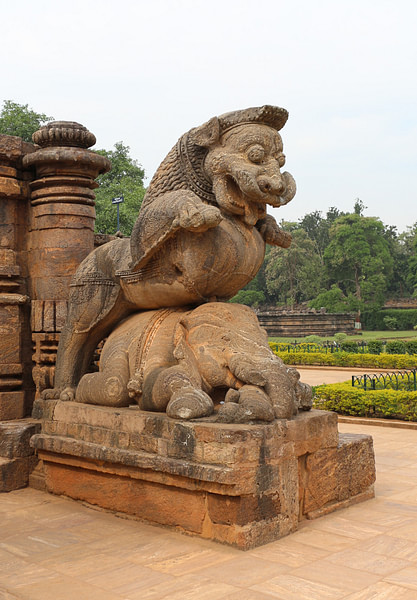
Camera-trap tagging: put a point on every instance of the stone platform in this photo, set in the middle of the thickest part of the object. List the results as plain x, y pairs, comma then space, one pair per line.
237, 484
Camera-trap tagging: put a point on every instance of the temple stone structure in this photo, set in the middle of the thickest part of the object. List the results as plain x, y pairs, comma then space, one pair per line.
195, 426
237, 484
46, 229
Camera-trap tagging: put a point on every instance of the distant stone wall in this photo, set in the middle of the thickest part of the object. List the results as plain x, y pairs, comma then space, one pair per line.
293, 325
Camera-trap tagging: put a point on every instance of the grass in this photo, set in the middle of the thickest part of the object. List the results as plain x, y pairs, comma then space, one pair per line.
364, 336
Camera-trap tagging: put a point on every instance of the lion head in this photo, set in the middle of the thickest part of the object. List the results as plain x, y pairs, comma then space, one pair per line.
241, 158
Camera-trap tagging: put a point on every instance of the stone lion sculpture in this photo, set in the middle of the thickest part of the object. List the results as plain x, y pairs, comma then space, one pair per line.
200, 235
183, 361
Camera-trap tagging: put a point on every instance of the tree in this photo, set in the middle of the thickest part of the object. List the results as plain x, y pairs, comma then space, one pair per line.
318, 227
294, 274
334, 301
358, 258
412, 264
125, 178
20, 120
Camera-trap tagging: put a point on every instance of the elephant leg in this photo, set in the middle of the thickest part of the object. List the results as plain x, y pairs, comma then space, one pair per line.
109, 386
174, 390
77, 345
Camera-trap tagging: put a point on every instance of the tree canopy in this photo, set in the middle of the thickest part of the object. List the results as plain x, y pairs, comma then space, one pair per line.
125, 178
20, 120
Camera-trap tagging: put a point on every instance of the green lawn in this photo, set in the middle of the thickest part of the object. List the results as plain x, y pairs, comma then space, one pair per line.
365, 336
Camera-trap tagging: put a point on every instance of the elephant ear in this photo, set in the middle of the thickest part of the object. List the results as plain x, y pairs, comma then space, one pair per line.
207, 134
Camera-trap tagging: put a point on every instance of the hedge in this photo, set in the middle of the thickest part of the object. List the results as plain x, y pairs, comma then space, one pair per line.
347, 359
382, 404
405, 318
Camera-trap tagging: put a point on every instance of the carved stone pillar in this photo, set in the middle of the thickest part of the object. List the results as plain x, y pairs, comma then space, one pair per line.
15, 344
61, 229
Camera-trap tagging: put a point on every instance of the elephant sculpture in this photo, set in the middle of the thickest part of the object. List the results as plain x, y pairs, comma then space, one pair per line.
186, 362
200, 235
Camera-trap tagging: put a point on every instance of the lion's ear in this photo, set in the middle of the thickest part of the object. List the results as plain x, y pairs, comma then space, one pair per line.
207, 134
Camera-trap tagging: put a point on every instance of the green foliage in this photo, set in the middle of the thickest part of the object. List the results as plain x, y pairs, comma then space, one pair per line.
249, 297
358, 257
335, 301
384, 404
20, 120
312, 338
391, 323
125, 177
347, 359
411, 346
349, 346
396, 347
375, 319
294, 273
340, 337
375, 347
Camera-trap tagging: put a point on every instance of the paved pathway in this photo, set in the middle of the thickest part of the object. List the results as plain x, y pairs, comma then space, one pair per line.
55, 548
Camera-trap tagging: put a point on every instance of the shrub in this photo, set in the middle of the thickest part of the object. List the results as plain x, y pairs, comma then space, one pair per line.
390, 323
384, 404
374, 319
349, 347
313, 338
411, 346
340, 337
375, 347
345, 359
396, 347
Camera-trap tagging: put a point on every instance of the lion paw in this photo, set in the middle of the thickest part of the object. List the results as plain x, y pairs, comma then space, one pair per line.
67, 394
199, 218
51, 394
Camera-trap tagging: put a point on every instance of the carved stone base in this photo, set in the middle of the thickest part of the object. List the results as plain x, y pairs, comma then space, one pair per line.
237, 484
17, 458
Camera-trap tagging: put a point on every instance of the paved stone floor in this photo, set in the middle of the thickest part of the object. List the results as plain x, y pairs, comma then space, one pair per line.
55, 548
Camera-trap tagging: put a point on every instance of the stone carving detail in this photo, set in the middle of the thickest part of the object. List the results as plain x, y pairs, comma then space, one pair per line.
200, 237
179, 361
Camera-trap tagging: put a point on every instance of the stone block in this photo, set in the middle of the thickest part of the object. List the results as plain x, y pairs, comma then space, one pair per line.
15, 438
334, 475
12, 405
242, 485
14, 472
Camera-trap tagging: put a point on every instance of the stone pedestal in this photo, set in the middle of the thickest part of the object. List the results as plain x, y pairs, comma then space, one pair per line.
237, 484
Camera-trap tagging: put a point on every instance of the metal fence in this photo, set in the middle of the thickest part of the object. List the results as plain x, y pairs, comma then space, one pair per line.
398, 380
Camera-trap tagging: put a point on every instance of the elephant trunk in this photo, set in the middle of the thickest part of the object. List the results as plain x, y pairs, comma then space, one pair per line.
271, 374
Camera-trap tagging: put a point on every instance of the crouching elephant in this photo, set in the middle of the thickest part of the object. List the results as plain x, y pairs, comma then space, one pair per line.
185, 362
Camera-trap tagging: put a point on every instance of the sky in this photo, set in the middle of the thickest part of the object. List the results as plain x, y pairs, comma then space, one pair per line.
146, 71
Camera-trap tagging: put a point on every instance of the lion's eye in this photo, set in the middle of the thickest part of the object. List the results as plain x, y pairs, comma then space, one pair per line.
256, 154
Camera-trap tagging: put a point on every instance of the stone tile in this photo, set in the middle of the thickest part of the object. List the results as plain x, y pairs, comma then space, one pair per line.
63, 588
289, 587
340, 525
368, 561
331, 542
244, 571
387, 545
406, 578
246, 595
188, 587
383, 591
289, 552
336, 576
125, 578
187, 562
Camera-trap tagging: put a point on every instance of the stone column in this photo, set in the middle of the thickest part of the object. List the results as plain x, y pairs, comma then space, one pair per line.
61, 229
15, 341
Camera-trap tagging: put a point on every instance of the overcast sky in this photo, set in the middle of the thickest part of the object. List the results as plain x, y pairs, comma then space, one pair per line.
144, 72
